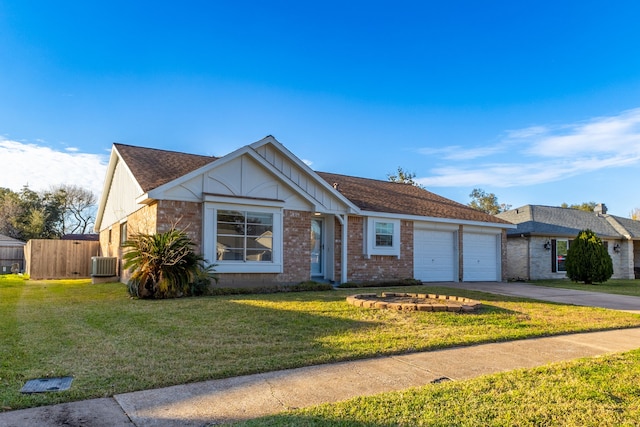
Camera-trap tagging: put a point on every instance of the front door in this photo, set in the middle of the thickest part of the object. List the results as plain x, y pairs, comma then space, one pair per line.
317, 247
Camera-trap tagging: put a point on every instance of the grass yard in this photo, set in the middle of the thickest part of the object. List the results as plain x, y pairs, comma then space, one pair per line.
597, 392
614, 286
113, 344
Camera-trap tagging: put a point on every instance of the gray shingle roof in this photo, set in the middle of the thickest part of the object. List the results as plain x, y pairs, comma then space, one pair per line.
566, 222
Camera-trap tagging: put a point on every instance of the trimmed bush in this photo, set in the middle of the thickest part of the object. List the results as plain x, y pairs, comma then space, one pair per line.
588, 260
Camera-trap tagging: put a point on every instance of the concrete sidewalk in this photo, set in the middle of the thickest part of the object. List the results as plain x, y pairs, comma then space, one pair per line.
239, 398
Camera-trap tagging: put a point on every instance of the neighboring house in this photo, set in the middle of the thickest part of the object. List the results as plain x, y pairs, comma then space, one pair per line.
538, 247
264, 217
11, 254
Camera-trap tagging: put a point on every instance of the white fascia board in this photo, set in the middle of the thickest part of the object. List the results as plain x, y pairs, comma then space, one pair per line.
436, 219
114, 159
353, 209
233, 200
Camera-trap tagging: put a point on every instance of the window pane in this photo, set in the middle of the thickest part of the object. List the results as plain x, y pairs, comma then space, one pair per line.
384, 228
229, 254
384, 234
562, 247
384, 240
231, 216
244, 236
228, 228
259, 230
259, 218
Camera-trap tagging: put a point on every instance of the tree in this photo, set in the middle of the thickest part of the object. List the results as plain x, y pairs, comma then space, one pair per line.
404, 177
10, 209
584, 206
66, 209
29, 215
164, 265
635, 214
588, 260
487, 203
78, 209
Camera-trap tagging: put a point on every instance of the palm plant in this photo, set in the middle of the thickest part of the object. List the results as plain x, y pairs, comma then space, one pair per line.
164, 265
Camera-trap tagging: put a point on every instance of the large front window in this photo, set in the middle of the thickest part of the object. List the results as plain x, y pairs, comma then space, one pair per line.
244, 236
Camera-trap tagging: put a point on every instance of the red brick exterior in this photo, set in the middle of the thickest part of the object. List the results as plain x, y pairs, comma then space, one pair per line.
186, 216
296, 246
377, 267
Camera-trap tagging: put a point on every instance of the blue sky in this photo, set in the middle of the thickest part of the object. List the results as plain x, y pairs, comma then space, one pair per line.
537, 102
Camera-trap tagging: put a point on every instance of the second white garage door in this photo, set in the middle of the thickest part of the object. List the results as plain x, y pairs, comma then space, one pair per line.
480, 254
434, 256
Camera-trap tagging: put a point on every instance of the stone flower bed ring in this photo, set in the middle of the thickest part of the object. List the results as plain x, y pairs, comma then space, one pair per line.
414, 302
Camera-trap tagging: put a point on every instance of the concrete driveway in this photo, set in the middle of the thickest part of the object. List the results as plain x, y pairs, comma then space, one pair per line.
564, 296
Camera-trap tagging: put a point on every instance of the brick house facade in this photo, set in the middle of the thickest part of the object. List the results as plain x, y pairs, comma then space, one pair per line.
264, 217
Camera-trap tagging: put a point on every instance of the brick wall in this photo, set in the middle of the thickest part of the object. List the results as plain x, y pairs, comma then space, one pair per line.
517, 259
296, 246
185, 216
377, 267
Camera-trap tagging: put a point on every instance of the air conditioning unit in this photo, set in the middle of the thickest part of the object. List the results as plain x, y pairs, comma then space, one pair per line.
103, 266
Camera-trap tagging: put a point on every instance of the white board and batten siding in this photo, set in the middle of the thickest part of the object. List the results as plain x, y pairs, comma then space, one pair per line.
481, 255
435, 253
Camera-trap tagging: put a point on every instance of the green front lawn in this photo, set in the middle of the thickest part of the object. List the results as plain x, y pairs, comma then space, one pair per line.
613, 286
597, 392
113, 344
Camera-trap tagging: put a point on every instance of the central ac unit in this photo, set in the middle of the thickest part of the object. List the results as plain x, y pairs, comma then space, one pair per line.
103, 266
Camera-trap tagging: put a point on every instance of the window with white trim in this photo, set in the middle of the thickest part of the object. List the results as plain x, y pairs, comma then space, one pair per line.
244, 236
382, 237
384, 234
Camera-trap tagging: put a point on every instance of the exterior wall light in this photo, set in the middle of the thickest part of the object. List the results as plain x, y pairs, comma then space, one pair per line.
616, 248
547, 245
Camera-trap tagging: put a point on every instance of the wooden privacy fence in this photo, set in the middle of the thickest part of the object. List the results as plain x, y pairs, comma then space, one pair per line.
59, 259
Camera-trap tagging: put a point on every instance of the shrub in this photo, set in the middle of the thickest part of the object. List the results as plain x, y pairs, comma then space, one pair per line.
588, 260
377, 284
307, 286
164, 265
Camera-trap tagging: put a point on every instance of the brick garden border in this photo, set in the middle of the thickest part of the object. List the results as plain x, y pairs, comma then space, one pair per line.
430, 302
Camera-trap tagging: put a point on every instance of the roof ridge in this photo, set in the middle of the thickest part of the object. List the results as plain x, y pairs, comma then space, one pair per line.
611, 219
163, 150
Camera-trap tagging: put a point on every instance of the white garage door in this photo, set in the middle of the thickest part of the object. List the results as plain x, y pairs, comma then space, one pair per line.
434, 256
480, 254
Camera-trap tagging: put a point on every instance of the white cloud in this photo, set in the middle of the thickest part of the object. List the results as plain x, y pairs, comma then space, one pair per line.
307, 162
548, 154
42, 167
456, 152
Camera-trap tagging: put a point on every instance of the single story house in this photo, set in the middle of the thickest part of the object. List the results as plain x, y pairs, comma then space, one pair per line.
264, 217
11, 255
537, 248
